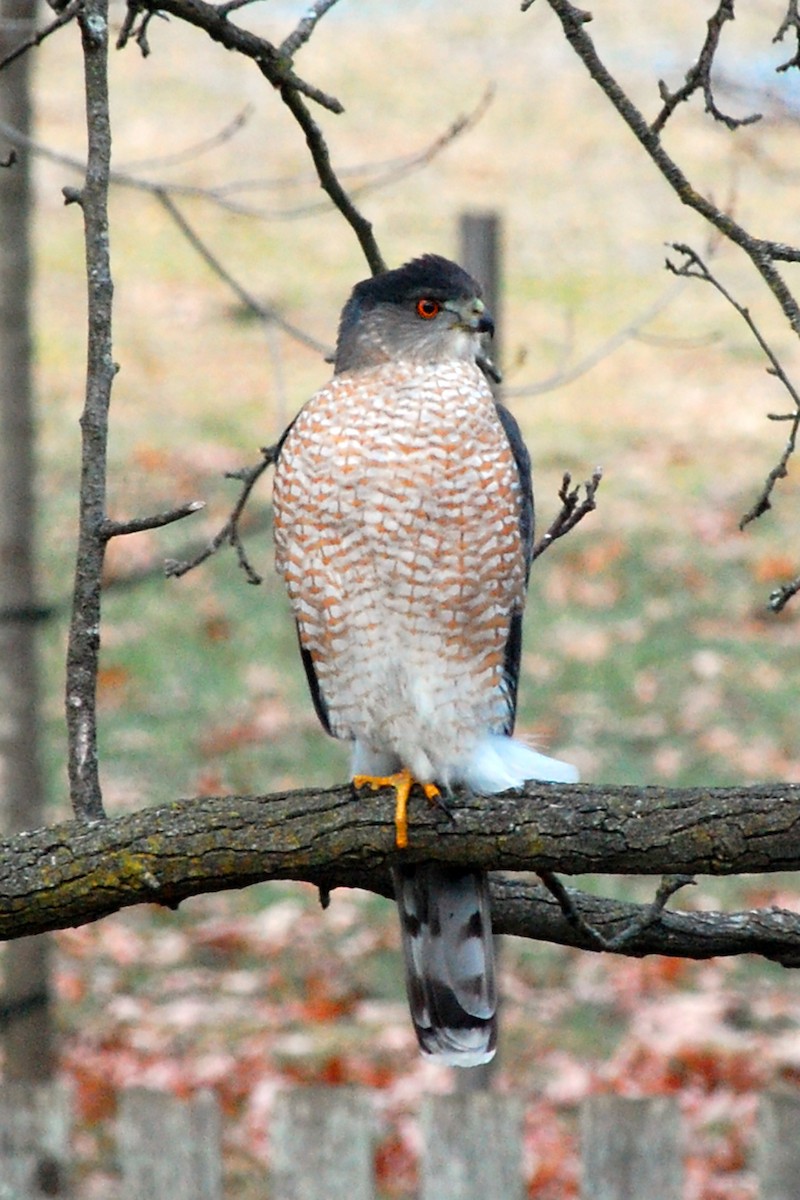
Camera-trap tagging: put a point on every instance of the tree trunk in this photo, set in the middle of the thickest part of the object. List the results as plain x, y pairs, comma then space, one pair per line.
25, 1014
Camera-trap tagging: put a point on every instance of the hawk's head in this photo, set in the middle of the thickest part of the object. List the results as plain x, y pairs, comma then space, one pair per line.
430, 310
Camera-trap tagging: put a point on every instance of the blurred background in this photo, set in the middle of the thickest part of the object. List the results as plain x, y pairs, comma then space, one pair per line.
650, 653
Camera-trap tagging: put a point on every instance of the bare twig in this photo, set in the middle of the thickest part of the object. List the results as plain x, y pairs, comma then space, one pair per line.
571, 912
573, 509
330, 183
643, 918
565, 374
299, 36
112, 529
379, 174
264, 312
229, 533
781, 596
384, 174
762, 253
64, 17
693, 267
790, 21
213, 20
699, 77
650, 914
228, 131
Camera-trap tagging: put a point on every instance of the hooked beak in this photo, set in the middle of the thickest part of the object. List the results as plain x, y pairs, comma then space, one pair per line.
475, 317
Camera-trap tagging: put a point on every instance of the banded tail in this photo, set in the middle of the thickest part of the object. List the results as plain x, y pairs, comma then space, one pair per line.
445, 923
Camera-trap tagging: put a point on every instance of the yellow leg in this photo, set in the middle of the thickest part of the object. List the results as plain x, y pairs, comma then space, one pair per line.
402, 782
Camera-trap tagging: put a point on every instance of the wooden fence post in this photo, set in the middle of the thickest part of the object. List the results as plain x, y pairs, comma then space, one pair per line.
34, 1141
322, 1145
169, 1148
480, 250
472, 1147
778, 1146
480, 253
631, 1149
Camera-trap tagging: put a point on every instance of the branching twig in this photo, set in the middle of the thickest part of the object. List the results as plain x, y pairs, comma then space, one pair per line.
790, 21
112, 529
213, 20
699, 77
693, 267
643, 918
64, 17
649, 914
229, 533
573, 509
762, 253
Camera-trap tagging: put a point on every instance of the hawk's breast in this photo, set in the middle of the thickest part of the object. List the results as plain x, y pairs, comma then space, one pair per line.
397, 529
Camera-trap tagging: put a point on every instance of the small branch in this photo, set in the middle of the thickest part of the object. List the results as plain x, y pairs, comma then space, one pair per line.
781, 596
693, 267
264, 312
213, 20
64, 17
649, 914
644, 917
329, 181
790, 21
299, 36
761, 253
573, 509
699, 77
568, 373
230, 530
140, 524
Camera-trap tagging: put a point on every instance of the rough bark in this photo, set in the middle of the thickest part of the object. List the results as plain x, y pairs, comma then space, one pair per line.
76, 872
25, 1005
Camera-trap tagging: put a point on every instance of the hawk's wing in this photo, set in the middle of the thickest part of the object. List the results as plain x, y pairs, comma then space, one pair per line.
320, 707
513, 649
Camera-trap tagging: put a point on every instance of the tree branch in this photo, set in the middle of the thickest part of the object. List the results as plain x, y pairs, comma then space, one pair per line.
572, 511
693, 267
213, 19
230, 530
63, 18
760, 252
329, 182
84, 631
77, 872
698, 77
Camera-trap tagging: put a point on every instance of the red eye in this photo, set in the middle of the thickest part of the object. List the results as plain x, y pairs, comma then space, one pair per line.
428, 309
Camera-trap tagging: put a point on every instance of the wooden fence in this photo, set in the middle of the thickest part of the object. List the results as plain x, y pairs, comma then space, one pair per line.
322, 1147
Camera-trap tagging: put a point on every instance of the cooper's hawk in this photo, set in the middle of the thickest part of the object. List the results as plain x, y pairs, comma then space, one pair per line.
403, 529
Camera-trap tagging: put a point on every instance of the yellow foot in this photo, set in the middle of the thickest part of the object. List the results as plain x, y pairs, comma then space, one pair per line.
402, 782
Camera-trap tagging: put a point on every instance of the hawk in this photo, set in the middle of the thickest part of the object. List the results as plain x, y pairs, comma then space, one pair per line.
403, 532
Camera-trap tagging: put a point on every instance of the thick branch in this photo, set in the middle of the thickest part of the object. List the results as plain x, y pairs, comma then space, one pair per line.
77, 872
